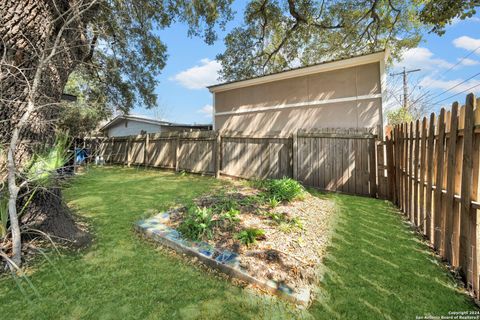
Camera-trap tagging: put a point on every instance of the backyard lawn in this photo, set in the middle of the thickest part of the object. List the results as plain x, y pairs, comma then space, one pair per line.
375, 266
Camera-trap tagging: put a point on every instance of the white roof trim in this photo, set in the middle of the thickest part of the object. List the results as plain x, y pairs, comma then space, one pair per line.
323, 67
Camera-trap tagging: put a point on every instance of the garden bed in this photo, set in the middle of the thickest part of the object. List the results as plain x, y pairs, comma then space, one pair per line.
272, 234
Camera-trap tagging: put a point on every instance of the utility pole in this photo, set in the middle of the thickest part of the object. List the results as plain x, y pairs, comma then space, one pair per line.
405, 84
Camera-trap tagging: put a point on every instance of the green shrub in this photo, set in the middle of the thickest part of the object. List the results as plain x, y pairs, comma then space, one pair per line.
198, 223
284, 189
250, 235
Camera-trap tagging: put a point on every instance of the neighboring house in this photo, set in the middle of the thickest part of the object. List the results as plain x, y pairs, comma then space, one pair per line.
127, 125
346, 93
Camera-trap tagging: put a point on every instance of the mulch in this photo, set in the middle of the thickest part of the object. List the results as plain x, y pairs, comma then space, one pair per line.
287, 253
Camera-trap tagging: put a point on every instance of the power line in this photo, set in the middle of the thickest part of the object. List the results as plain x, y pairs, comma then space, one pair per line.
456, 64
461, 60
454, 95
449, 69
451, 88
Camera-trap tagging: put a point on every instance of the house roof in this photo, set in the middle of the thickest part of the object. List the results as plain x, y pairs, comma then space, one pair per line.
145, 119
306, 70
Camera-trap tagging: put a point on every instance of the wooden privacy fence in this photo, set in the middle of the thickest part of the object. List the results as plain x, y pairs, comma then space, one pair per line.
336, 160
330, 159
430, 170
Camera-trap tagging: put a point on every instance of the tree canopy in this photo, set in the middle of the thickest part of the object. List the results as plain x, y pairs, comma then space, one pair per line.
282, 34
440, 13
127, 52
277, 35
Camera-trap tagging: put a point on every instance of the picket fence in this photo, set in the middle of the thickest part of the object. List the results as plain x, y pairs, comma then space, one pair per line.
430, 170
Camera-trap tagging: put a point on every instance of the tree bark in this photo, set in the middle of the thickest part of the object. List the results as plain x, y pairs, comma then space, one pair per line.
38, 51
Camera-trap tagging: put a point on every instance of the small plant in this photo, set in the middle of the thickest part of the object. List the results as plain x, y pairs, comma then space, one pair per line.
44, 165
250, 236
225, 204
3, 215
296, 222
182, 173
197, 224
253, 200
275, 216
290, 225
285, 189
273, 202
231, 215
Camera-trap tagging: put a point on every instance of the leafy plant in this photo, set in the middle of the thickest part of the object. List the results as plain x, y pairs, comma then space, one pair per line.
275, 216
43, 166
290, 225
226, 204
286, 224
182, 173
273, 202
284, 189
3, 215
231, 215
197, 224
253, 200
250, 235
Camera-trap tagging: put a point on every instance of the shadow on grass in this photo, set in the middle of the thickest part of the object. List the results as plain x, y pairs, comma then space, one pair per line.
375, 266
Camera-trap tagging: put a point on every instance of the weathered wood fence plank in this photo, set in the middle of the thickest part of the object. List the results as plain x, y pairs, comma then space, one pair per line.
436, 178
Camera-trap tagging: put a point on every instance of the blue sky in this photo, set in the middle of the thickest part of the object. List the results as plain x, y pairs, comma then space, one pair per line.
191, 65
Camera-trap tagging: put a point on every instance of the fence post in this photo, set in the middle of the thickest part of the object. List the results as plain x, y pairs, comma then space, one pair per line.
475, 197
146, 160
218, 153
391, 177
381, 166
449, 238
437, 206
429, 212
466, 219
177, 152
294, 155
129, 146
373, 168
111, 150
423, 166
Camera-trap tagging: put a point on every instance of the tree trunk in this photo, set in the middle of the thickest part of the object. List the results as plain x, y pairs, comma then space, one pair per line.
35, 43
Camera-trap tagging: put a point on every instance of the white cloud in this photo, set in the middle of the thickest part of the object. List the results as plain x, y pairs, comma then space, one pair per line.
469, 62
422, 58
206, 110
199, 76
467, 43
447, 84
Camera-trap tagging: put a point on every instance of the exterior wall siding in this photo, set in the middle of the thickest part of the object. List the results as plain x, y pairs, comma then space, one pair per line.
303, 102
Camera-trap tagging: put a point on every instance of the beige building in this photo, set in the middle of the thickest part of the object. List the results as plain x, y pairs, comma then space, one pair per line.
345, 93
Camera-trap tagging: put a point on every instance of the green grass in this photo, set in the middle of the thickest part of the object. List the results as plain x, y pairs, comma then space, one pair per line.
375, 267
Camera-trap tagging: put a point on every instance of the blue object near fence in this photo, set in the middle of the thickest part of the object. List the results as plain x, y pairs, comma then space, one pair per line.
80, 155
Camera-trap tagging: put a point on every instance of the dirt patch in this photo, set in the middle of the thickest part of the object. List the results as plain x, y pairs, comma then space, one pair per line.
48, 213
295, 234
